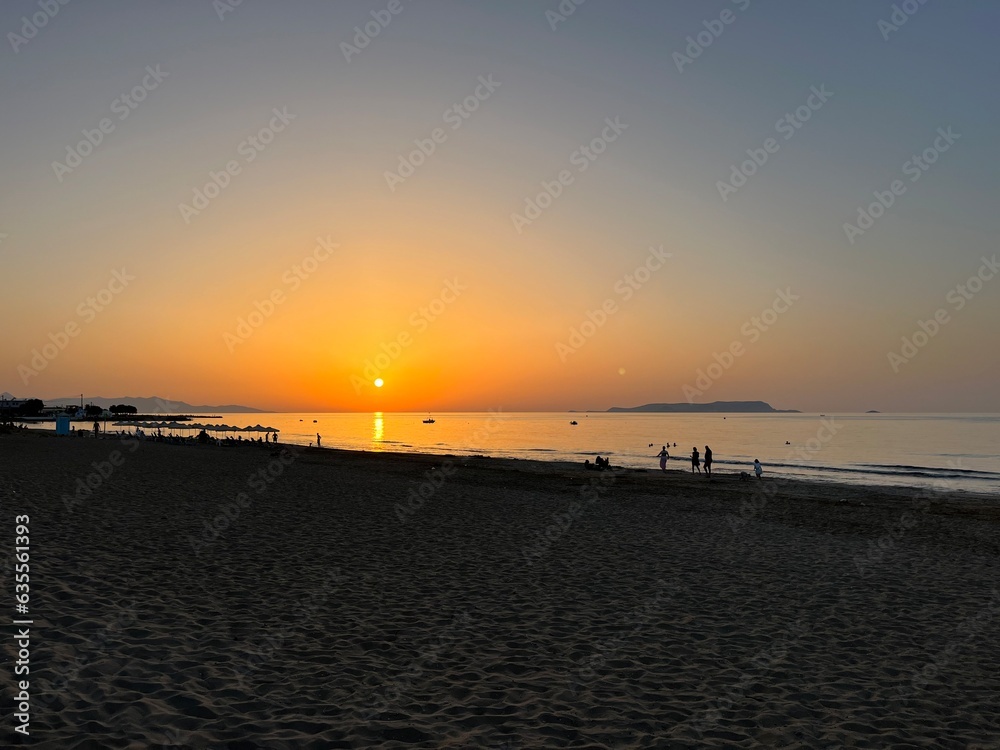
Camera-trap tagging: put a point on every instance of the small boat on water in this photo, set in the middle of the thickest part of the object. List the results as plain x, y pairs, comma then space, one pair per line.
429, 420
573, 422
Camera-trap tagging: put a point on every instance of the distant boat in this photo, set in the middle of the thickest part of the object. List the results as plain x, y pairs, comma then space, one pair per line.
429, 420
573, 422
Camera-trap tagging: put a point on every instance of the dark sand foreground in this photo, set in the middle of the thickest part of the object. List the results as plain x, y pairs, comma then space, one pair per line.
510, 609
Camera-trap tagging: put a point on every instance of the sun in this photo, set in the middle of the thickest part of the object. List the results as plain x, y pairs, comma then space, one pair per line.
379, 382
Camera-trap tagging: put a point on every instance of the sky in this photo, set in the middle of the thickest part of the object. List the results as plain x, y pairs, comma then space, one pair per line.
531, 206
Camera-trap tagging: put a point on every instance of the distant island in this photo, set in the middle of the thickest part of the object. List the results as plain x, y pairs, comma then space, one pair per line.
157, 405
730, 407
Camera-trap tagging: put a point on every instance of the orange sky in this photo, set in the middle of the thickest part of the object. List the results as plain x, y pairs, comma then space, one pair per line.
596, 111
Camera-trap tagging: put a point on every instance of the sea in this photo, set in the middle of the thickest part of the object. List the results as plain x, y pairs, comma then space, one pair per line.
953, 452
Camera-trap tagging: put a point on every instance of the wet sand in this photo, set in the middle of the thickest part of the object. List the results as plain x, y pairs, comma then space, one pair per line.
273, 597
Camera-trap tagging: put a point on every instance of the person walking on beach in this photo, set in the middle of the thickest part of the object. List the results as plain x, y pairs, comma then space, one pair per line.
663, 455
695, 463
708, 461
319, 441
757, 468
97, 428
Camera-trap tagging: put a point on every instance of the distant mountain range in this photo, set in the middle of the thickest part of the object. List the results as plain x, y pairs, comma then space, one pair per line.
730, 407
155, 405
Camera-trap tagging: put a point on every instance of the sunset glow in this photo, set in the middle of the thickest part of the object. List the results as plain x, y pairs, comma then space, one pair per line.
285, 222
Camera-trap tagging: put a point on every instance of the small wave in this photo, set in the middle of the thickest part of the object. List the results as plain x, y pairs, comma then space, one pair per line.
958, 470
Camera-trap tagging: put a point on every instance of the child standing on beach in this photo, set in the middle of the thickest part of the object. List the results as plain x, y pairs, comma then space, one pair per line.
757, 468
663, 455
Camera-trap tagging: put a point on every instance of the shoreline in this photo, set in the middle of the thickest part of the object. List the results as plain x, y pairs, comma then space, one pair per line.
810, 487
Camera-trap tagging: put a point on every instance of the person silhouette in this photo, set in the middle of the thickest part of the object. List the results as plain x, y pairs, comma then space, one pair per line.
708, 461
663, 455
319, 441
757, 468
695, 463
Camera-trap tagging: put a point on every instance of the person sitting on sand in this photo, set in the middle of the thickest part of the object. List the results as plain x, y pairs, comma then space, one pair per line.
757, 468
695, 462
663, 455
708, 461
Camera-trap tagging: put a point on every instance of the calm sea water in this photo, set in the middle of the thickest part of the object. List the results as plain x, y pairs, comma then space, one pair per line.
953, 452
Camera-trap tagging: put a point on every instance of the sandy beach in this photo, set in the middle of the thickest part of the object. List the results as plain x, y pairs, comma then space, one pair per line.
275, 597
